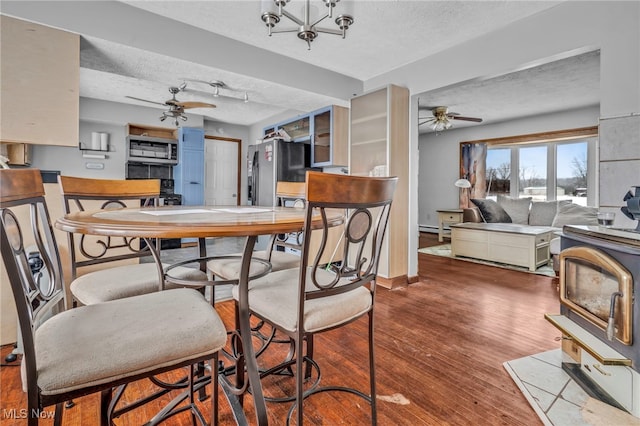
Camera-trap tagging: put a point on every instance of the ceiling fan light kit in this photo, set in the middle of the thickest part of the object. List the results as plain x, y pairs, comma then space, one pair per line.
274, 10
442, 119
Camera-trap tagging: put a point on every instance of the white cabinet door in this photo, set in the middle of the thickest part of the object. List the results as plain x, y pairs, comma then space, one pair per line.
221, 173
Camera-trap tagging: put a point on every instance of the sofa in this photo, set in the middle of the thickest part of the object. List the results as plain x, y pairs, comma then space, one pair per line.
525, 211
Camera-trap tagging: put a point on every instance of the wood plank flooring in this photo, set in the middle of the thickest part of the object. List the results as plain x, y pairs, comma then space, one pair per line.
440, 345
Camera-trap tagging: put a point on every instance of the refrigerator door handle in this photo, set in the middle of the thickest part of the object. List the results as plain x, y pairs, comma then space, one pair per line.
254, 179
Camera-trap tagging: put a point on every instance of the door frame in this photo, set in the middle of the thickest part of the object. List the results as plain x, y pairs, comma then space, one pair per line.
239, 173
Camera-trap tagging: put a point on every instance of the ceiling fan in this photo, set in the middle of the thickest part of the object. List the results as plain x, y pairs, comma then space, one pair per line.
176, 107
441, 118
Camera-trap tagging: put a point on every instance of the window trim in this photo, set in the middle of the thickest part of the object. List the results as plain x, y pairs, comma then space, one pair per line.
554, 136
551, 136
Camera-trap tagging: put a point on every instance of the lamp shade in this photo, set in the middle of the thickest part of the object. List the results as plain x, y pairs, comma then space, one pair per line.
462, 183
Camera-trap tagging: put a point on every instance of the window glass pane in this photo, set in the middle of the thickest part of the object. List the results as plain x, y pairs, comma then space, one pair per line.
532, 176
571, 172
498, 172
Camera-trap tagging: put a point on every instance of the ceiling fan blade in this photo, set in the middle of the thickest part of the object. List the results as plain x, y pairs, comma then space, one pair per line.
145, 100
426, 108
458, 117
425, 120
187, 105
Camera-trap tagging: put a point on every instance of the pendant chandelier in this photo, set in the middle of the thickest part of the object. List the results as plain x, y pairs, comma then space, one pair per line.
274, 10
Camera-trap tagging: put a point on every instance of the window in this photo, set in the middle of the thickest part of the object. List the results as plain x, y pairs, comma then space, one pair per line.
532, 172
556, 168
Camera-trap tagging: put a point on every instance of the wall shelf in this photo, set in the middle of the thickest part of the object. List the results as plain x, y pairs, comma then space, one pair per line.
93, 154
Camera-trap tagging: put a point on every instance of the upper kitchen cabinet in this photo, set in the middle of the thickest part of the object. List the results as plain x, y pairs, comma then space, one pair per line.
326, 129
298, 130
188, 174
330, 141
379, 146
191, 138
40, 69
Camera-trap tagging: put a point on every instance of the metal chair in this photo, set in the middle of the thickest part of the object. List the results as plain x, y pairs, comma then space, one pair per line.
122, 280
312, 299
94, 348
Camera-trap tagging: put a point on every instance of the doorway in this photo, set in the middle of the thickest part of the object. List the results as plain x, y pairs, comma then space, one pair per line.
222, 171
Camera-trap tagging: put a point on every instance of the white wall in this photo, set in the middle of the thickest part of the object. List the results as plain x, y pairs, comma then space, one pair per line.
70, 162
440, 155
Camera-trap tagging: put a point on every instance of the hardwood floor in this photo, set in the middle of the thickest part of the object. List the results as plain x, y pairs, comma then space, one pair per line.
440, 345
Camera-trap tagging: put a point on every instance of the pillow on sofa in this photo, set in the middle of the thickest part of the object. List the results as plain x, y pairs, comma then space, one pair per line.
491, 211
516, 208
574, 214
542, 213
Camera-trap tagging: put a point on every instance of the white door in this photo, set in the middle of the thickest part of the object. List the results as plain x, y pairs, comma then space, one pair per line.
221, 172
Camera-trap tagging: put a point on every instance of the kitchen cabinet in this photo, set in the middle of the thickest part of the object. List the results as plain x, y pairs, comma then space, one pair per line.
188, 174
40, 102
379, 146
299, 130
326, 130
330, 141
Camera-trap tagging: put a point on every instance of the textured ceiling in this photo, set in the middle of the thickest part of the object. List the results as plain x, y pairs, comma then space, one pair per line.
140, 48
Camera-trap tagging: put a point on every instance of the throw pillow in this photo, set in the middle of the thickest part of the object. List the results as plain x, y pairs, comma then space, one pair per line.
491, 211
516, 208
574, 214
542, 213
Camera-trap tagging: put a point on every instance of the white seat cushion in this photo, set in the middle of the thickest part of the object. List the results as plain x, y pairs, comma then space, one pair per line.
275, 298
96, 344
125, 281
229, 269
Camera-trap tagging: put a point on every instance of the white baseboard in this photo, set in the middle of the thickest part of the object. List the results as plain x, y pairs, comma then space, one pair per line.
428, 228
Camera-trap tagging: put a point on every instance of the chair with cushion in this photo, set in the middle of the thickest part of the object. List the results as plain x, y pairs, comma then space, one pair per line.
312, 298
228, 267
113, 264
68, 354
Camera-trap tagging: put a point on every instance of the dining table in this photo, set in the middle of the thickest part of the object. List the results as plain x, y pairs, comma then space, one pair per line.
202, 222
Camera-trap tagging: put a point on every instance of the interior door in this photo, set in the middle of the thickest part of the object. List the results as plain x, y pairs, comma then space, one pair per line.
221, 172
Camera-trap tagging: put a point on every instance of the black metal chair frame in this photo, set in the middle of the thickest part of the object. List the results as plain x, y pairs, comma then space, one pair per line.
364, 230
39, 299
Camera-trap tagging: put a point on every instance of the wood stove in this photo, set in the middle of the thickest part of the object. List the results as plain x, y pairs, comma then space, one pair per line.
599, 316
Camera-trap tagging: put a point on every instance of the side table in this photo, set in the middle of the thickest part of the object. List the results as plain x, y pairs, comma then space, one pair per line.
448, 217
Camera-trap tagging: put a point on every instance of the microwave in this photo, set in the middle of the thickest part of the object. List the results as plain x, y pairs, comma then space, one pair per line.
152, 150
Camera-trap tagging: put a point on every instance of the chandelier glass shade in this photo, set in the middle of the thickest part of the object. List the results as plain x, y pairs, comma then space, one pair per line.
441, 122
306, 29
174, 112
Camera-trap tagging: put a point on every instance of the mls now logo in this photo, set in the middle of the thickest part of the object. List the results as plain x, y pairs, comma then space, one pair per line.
23, 413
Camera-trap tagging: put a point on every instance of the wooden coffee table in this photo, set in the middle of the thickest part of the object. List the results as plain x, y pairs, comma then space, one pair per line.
509, 243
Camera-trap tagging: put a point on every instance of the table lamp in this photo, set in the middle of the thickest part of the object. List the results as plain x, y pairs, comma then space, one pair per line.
464, 185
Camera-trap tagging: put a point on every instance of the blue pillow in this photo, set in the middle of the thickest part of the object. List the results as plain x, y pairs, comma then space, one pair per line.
491, 211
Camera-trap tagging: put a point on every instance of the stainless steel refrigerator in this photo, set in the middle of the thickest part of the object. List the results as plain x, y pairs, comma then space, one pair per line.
273, 161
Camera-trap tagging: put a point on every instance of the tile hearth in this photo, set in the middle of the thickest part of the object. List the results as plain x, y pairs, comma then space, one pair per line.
556, 397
